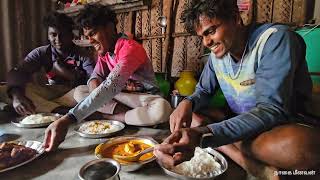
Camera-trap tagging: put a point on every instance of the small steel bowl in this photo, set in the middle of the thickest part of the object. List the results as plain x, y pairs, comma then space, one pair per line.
129, 166
105, 168
217, 156
176, 99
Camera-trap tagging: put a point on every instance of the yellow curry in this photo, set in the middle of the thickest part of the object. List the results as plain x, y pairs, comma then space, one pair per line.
129, 148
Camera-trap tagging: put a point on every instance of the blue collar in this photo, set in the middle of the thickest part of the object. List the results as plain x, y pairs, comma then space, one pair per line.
255, 31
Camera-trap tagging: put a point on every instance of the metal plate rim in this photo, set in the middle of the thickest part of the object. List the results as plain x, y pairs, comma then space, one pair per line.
40, 151
126, 138
93, 136
208, 150
17, 123
85, 166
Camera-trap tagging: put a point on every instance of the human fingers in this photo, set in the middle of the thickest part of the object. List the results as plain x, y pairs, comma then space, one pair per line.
31, 107
164, 159
175, 122
24, 110
185, 137
19, 110
172, 149
174, 137
190, 137
53, 143
27, 110
188, 123
171, 122
184, 152
59, 130
180, 123
178, 158
47, 139
165, 148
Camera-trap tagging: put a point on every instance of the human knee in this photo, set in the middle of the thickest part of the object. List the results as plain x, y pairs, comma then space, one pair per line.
160, 110
155, 112
289, 147
80, 92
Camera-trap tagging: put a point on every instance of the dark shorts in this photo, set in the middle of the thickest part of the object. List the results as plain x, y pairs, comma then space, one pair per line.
307, 120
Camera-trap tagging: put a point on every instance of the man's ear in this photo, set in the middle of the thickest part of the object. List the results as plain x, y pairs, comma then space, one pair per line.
111, 26
237, 19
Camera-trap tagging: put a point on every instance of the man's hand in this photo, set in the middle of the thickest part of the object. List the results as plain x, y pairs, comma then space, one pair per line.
56, 132
181, 116
23, 105
179, 146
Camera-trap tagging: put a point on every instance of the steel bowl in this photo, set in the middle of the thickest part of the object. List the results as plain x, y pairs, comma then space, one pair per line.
217, 156
176, 99
100, 169
127, 166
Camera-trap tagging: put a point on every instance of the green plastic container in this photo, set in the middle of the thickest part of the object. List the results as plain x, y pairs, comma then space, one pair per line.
163, 84
218, 100
312, 39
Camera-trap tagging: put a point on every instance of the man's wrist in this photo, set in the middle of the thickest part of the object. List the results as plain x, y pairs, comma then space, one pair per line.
15, 92
190, 101
72, 118
187, 103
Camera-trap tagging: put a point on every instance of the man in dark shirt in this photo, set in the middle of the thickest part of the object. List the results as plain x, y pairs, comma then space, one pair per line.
65, 66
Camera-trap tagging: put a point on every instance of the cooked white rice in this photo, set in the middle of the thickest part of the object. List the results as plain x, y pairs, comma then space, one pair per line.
200, 166
38, 119
98, 127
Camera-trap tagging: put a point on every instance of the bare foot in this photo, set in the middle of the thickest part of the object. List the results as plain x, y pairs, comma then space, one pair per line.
254, 168
117, 117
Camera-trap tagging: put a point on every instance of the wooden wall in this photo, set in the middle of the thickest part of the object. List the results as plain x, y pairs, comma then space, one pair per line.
187, 49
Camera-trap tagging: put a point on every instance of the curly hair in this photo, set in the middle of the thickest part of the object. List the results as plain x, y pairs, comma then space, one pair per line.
94, 15
221, 9
59, 21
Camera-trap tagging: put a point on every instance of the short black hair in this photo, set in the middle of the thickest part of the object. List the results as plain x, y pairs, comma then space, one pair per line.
59, 21
94, 15
221, 9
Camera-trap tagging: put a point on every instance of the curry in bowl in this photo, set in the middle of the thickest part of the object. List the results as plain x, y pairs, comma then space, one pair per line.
125, 147
129, 148
118, 145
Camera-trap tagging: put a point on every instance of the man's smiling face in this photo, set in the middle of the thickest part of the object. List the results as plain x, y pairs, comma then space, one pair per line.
217, 35
101, 38
60, 39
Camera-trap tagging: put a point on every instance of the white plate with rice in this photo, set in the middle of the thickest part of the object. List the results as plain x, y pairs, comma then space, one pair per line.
36, 120
205, 164
99, 128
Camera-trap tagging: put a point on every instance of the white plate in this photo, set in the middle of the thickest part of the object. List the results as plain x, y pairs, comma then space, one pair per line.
111, 122
36, 145
18, 120
217, 156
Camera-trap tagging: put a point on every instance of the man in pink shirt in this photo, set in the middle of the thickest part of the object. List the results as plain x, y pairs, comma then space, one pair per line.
120, 60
